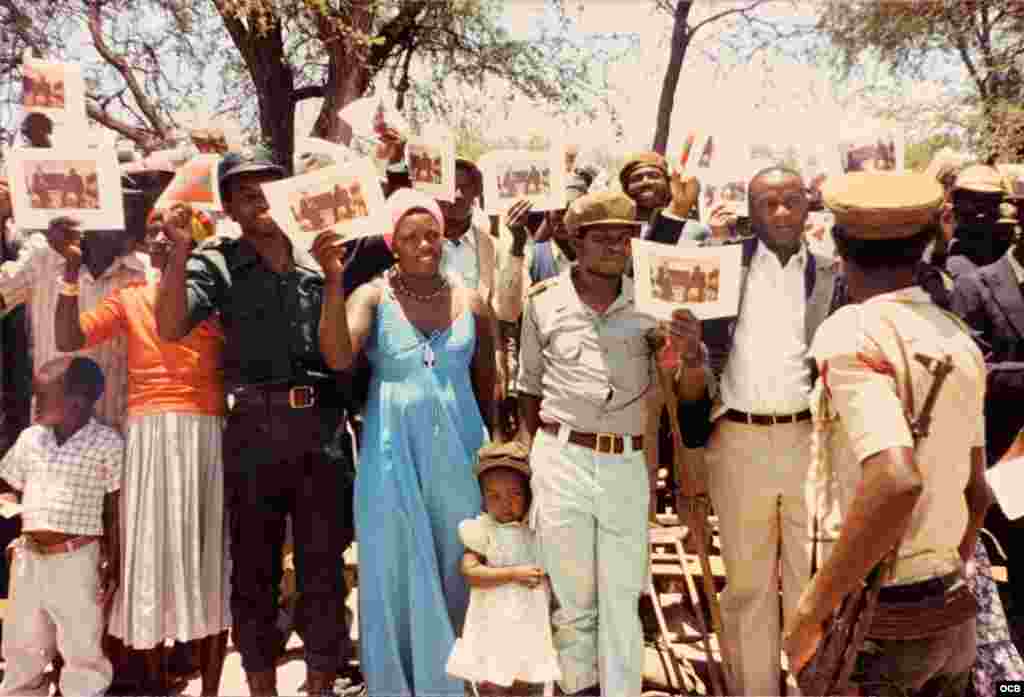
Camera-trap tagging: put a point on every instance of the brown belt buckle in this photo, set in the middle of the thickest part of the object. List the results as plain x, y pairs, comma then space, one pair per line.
302, 397
601, 439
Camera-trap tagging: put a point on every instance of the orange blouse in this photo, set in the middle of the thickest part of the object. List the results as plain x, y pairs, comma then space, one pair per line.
184, 376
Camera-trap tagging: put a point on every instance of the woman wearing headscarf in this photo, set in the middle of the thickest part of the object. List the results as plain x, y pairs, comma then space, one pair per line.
430, 345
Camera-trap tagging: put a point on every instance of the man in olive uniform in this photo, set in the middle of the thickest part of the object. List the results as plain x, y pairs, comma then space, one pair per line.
282, 455
881, 482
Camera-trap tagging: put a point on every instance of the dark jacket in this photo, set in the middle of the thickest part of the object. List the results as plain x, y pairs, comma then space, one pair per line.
991, 302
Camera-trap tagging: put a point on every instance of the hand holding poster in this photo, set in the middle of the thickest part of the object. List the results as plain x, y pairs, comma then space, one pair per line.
511, 175
83, 183
729, 191
704, 280
195, 183
431, 162
346, 199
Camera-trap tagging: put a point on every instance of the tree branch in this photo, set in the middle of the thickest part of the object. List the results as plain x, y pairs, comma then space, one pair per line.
122, 67
140, 136
725, 13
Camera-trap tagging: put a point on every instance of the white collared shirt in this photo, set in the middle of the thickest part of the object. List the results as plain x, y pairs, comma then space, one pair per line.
34, 278
462, 259
766, 372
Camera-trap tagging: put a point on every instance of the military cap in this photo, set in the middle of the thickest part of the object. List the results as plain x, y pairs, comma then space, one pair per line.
981, 179
247, 161
641, 159
600, 208
513, 454
882, 205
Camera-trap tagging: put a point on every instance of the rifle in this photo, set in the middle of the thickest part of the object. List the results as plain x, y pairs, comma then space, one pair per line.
829, 670
722, 677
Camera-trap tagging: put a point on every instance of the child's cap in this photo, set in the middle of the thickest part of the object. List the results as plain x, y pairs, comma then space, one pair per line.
512, 454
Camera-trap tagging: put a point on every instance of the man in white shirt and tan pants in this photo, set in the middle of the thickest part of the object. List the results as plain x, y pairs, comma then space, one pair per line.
755, 425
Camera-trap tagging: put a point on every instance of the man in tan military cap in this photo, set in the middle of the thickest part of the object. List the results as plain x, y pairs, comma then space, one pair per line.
585, 371
901, 481
978, 238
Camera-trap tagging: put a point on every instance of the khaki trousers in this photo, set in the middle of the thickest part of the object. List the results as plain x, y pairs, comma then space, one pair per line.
756, 480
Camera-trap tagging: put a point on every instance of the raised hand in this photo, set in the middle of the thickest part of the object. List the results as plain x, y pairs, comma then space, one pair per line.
516, 221
392, 146
329, 252
685, 190
65, 237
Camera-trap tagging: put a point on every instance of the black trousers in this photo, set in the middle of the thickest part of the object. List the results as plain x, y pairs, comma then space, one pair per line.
282, 462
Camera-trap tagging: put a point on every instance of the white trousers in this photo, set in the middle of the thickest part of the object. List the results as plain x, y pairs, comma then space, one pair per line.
756, 479
590, 511
53, 608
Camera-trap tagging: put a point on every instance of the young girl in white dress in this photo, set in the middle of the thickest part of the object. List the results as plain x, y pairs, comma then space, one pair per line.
506, 646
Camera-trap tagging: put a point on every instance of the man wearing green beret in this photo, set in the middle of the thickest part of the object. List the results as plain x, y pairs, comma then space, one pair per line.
585, 374
889, 474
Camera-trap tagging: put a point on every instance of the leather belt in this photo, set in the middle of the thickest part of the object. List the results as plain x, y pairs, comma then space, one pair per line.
767, 419
278, 396
59, 548
609, 443
915, 592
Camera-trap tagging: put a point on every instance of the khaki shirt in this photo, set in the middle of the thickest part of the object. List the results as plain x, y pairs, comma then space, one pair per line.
858, 413
592, 372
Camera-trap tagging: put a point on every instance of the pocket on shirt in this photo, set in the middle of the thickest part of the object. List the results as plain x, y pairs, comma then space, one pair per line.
565, 346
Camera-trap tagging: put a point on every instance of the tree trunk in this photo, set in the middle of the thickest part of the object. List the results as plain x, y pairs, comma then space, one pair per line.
666, 103
348, 73
274, 84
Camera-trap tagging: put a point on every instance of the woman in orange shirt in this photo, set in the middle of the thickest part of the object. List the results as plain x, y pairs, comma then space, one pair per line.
175, 565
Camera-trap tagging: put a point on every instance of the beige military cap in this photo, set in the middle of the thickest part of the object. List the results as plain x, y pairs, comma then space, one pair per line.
513, 454
882, 205
600, 208
981, 179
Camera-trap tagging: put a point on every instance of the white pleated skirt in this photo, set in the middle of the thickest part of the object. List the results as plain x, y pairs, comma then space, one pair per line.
175, 578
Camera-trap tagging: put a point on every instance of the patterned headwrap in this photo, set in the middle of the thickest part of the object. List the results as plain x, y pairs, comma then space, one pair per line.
641, 159
403, 202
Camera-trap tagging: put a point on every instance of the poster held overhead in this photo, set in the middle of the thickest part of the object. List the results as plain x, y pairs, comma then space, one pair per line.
431, 162
56, 90
195, 183
344, 198
83, 183
511, 175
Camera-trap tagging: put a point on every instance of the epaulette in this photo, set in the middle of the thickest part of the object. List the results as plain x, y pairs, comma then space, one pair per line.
538, 288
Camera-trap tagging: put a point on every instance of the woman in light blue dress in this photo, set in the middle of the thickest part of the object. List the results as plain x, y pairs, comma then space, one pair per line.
430, 344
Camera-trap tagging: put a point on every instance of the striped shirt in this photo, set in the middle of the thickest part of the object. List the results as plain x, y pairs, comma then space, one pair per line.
35, 278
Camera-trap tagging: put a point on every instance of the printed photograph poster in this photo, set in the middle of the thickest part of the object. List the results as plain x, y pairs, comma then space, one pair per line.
872, 150
704, 280
83, 183
56, 90
195, 183
513, 175
730, 190
431, 162
344, 198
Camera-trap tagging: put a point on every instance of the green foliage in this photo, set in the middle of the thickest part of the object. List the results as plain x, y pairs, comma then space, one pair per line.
919, 154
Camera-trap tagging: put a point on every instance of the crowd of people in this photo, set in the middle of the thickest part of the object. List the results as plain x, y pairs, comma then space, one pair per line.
191, 405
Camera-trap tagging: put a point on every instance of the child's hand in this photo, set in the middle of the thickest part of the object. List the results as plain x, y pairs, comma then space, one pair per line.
530, 576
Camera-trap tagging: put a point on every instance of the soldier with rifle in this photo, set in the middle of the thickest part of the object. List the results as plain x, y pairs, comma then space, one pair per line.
898, 468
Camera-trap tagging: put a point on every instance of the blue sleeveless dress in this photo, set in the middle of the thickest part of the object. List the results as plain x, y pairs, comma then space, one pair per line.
421, 432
